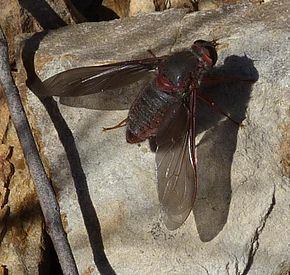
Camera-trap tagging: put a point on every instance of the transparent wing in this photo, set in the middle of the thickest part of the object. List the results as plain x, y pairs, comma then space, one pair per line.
118, 99
94, 79
175, 168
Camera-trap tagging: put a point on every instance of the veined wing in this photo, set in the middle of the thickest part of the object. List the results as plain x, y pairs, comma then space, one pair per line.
94, 79
176, 173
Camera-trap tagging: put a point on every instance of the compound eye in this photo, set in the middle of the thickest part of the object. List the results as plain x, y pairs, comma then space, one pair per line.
212, 54
210, 47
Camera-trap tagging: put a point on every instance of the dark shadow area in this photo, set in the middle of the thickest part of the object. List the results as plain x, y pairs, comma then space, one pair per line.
43, 13
230, 90
94, 11
4, 269
90, 10
86, 205
50, 264
66, 137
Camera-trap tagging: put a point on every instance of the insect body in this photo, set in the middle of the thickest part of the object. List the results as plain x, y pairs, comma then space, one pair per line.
165, 110
178, 75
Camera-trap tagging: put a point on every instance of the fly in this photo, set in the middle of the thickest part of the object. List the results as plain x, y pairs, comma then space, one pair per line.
164, 110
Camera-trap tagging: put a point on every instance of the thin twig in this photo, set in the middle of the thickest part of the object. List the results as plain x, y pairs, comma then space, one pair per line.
44, 189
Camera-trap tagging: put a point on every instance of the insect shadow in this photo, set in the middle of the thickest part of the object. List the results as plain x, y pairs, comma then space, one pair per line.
228, 87
217, 145
66, 137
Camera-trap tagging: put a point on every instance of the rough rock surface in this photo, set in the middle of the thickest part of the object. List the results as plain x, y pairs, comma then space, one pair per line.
133, 7
240, 223
18, 17
215, 4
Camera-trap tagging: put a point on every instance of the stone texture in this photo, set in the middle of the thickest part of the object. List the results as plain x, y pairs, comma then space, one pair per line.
241, 217
26, 16
204, 5
215, 4
133, 7
137, 6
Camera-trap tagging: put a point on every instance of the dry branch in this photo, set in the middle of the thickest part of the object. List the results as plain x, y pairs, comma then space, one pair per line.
44, 189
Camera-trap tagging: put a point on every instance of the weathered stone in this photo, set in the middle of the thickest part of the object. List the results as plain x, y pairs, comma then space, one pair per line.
179, 4
143, 6
133, 7
241, 216
204, 5
26, 16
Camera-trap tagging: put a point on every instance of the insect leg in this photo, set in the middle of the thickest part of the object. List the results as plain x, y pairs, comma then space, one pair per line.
152, 53
216, 108
119, 125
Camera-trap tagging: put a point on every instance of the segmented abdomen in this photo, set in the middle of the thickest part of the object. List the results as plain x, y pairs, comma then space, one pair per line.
147, 113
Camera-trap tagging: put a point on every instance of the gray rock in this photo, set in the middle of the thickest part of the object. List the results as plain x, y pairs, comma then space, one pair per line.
241, 217
19, 17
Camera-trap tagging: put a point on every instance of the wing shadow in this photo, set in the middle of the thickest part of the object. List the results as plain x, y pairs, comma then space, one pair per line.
217, 146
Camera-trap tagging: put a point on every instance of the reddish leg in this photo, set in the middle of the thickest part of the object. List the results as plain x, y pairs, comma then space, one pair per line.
119, 125
150, 52
216, 108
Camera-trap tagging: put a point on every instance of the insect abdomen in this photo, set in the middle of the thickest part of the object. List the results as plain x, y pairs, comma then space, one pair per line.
147, 113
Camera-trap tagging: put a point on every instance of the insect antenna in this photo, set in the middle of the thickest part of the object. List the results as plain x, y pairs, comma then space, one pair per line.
152, 53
